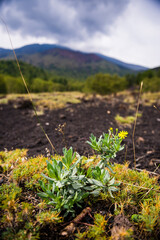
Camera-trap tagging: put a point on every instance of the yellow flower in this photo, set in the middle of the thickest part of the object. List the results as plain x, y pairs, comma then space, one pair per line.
111, 129
123, 134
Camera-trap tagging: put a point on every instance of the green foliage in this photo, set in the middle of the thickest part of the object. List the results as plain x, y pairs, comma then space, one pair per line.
151, 84
105, 83
10, 159
29, 171
149, 214
107, 146
3, 88
96, 231
8, 195
23, 215
68, 183
150, 78
16, 216
48, 217
40, 85
9, 67
14, 84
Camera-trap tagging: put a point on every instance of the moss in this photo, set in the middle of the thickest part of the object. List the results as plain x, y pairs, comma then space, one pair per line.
128, 120
48, 217
29, 172
10, 159
23, 213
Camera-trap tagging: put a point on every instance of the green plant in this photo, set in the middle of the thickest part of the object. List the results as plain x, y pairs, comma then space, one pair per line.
149, 214
47, 217
96, 231
68, 183
107, 146
65, 183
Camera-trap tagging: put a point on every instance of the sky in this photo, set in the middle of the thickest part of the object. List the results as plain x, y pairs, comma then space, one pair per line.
128, 30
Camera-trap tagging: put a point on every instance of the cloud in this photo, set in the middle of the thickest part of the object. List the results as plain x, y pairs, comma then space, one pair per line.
62, 19
137, 33
124, 29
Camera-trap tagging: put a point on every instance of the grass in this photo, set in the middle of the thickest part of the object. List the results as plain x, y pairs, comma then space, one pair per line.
24, 214
46, 100
126, 121
56, 100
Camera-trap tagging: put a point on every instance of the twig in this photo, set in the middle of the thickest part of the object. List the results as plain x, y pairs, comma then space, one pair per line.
138, 169
3, 175
147, 193
156, 169
87, 224
156, 107
71, 227
145, 155
126, 153
134, 152
138, 186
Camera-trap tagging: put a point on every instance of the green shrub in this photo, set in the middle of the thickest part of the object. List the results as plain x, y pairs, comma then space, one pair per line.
14, 84
3, 87
105, 83
151, 84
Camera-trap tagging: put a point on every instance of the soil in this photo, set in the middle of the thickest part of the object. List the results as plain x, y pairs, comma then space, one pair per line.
73, 125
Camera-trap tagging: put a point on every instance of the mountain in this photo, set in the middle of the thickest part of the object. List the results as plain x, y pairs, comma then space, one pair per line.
123, 64
63, 61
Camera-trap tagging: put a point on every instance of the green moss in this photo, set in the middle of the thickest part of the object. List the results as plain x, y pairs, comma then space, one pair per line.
10, 159
29, 172
48, 217
128, 120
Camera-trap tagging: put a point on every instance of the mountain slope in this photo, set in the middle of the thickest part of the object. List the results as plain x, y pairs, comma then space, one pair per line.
123, 64
69, 63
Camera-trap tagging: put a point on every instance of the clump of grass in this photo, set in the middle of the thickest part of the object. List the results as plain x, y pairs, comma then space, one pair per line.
128, 120
47, 100
148, 98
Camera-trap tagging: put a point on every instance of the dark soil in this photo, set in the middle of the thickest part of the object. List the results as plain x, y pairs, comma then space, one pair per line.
19, 129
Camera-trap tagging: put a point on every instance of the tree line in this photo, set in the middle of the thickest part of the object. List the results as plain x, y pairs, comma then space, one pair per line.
39, 80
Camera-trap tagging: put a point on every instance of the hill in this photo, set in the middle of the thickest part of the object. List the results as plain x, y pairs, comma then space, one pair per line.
9, 67
63, 61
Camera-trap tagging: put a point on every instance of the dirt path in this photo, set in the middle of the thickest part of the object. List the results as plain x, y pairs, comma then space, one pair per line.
19, 129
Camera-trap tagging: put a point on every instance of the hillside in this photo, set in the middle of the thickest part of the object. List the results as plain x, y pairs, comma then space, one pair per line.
63, 61
9, 67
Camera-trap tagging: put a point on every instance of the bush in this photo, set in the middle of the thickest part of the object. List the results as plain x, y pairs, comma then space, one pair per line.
151, 84
14, 85
39, 85
3, 88
105, 83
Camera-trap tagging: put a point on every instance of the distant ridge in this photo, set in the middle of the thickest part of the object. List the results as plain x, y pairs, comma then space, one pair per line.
123, 64
64, 61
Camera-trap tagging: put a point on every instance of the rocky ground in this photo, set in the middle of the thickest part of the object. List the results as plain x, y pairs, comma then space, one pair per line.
72, 126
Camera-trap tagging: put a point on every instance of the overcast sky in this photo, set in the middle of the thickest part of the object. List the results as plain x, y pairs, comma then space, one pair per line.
128, 30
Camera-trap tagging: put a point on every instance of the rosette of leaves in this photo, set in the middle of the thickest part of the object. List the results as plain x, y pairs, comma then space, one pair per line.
68, 184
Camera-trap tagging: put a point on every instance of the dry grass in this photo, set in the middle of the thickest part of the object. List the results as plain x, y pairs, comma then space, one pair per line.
49, 101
